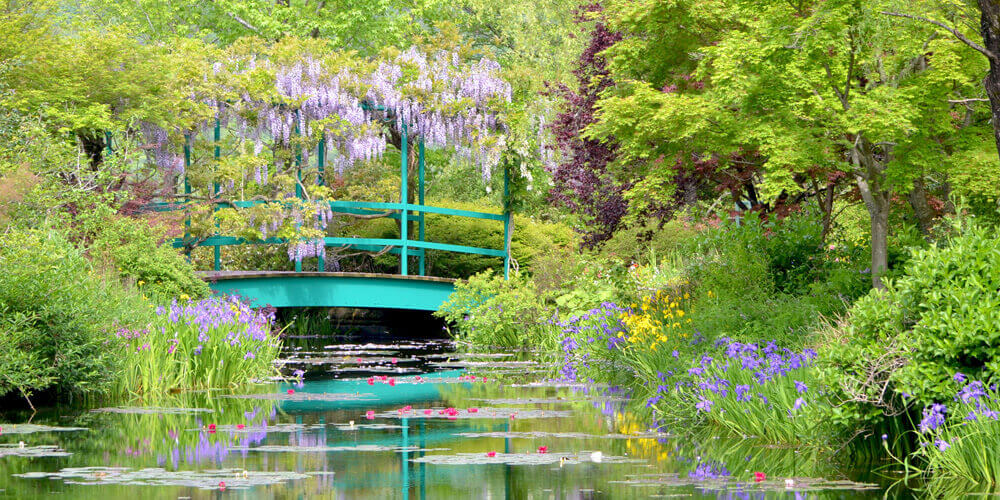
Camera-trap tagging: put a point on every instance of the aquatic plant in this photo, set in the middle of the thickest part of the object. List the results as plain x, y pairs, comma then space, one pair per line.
957, 440
213, 342
751, 389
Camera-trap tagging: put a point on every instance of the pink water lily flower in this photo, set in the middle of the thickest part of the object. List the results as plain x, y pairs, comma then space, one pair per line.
491, 454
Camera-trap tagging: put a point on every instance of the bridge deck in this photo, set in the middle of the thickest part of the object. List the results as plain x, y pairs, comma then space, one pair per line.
235, 275
330, 289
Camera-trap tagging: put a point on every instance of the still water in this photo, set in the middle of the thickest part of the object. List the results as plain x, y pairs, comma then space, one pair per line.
407, 419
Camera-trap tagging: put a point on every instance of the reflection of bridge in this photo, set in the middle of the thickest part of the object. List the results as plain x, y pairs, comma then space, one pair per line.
336, 289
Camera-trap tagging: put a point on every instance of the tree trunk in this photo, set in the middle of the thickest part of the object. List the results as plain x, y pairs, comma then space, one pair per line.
869, 174
990, 28
922, 210
93, 147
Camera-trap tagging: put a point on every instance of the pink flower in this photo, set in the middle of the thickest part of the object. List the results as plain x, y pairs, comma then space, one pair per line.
759, 476
240, 426
407, 408
211, 428
291, 391
491, 454
428, 411
222, 485
392, 382
543, 449
473, 410
371, 380
393, 360
370, 414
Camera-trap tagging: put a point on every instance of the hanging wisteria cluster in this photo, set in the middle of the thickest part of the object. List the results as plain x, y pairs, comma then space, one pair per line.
436, 99
446, 103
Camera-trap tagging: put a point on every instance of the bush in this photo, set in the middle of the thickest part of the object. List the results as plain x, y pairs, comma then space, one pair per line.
136, 249
56, 313
941, 315
488, 310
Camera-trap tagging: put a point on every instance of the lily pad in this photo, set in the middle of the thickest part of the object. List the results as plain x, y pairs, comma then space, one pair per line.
237, 479
730, 483
33, 428
559, 435
19, 450
306, 396
281, 448
481, 413
153, 410
520, 459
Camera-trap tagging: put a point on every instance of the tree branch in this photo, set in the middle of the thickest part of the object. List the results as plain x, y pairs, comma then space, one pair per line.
986, 52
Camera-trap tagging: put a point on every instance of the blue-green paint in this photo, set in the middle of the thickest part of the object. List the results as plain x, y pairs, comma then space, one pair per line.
403, 199
336, 290
217, 257
507, 224
420, 201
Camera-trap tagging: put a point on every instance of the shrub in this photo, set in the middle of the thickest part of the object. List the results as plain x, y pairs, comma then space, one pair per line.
941, 314
491, 311
136, 249
56, 312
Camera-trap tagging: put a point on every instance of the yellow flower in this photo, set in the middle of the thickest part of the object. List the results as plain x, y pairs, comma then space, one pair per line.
141, 283
185, 296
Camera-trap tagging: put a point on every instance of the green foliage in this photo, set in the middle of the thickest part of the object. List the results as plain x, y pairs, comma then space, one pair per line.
490, 311
136, 249
649, 242
937, 319
531, 240
57, 314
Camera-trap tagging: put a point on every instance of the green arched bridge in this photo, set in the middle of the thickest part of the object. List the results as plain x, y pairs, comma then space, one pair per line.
320, 288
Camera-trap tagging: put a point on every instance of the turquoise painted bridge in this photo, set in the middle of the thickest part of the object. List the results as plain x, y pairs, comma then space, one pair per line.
320, 288
327, 289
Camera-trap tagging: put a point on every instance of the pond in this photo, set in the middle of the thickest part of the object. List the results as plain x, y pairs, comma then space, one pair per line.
406, 419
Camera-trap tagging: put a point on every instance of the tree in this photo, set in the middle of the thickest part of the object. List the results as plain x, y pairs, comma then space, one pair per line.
829, 85
581, 180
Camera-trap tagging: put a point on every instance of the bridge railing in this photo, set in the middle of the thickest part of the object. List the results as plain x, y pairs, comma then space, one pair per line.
397, 246
405, 246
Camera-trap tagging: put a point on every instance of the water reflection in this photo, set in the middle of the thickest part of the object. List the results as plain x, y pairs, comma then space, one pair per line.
313, 440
